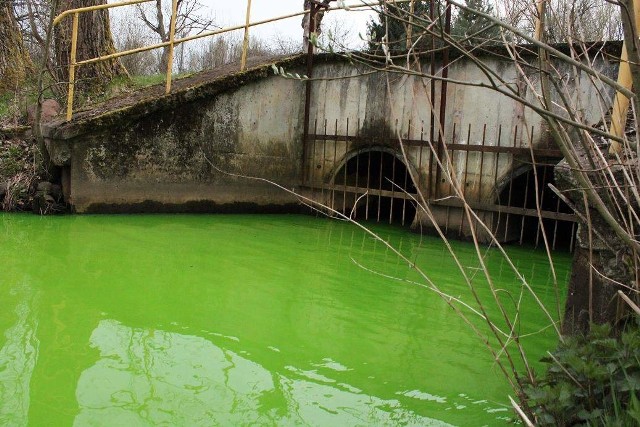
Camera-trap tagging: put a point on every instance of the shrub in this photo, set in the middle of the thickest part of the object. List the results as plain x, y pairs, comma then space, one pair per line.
590, 380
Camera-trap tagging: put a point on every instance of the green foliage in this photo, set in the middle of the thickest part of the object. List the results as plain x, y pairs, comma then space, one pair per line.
466, 26
11, 161
472, 29
5, 104
394, 23
591, 380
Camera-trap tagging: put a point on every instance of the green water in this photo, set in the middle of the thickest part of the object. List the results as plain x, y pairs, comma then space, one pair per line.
246, 320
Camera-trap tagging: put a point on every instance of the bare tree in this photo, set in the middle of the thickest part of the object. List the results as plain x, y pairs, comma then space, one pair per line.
585, 20
15, 63
94, 40
128, 34
189, 20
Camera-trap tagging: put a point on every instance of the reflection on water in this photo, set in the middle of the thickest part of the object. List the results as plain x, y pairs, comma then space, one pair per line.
161, 378
235, 320
18, 357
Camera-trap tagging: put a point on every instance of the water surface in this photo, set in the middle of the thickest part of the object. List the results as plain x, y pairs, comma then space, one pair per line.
239, 320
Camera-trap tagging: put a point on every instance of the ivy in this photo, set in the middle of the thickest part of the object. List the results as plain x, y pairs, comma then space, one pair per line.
590, 380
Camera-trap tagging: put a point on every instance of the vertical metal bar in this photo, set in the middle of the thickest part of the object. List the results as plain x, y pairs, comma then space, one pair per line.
506, 225
410, 29
344, 188
484, 135
308, 83
324, 159
335, 155
406, 180
355, 197
541, 6
496, 157
245, 43
450, 186
541, 187
432, 177
172, 37
393, 188
573, 236
72, 65
443, 94
366, 216
464, 182
313, 153
382, 153
524, 205
555, 225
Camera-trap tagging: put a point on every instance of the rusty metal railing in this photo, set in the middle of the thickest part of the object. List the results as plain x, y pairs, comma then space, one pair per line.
173, 41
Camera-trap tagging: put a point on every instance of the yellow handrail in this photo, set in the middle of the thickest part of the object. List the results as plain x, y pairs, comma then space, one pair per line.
621, 102
245, 44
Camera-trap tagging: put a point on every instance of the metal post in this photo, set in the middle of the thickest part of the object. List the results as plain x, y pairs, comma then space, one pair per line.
410, 29
307, 96
621, 102
443, 97
72, 65
245, 44
541, 6
172, 37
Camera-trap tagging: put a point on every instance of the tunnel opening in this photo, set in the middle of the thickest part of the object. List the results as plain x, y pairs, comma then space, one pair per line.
377, 185
527, 228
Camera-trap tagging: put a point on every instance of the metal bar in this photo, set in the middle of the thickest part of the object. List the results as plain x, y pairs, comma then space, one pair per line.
245, 42
324, 161
172, 37
555, 225
496, 165
443, 94
68, 12
406, 181
344, 194
355, 199
188, 38
410, 28
371, 191
72, 65
464, 182
380, 183
313, 153
393, 187
541, 152
515, 137
541, 6
573, 237
366, 215
484, 134
490, 207
335, 156
526, 195
308, 91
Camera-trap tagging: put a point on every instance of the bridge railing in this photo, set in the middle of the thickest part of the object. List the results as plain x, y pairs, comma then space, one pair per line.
173, 41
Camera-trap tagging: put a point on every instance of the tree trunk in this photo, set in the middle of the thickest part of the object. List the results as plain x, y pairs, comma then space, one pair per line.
94, 40
15, 63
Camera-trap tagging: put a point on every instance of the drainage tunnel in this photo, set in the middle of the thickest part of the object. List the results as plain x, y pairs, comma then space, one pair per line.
522, 224
378, 183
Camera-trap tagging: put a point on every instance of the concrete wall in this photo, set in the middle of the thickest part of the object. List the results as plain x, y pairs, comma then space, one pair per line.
156, 157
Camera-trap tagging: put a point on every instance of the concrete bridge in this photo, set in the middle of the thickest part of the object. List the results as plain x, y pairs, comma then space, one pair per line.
174, 153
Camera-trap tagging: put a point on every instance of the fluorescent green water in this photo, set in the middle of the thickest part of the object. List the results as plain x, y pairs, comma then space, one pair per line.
244, 320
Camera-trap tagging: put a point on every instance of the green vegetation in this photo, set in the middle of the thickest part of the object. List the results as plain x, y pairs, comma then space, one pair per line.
590, 380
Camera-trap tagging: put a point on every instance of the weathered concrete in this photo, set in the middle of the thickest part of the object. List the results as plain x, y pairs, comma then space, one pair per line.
160, 150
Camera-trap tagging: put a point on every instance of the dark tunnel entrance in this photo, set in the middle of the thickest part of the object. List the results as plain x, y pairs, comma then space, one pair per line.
526, 228
380, 183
